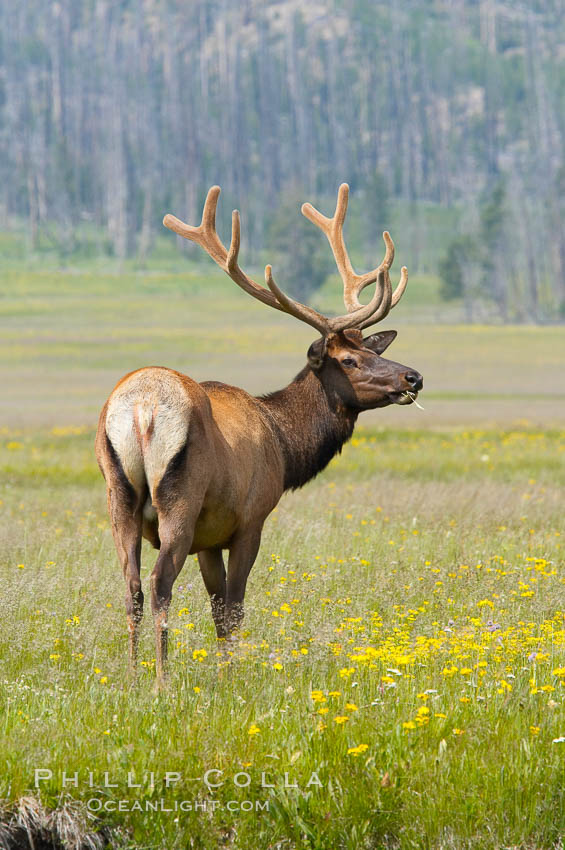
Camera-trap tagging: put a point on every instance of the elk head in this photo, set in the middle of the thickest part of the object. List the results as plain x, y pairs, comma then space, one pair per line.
348, 364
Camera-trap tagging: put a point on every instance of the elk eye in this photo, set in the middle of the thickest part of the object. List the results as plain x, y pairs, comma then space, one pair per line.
349, 361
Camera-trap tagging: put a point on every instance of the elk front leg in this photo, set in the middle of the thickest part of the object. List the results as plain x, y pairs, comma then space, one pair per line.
243, 552
214, 575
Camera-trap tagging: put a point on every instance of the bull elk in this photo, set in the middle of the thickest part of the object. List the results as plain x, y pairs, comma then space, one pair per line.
198, 467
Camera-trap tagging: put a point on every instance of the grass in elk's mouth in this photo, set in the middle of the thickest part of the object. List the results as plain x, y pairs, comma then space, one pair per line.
414, 397
405, 621
408, 397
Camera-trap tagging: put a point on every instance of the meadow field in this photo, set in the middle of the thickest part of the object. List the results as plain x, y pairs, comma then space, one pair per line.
400, 679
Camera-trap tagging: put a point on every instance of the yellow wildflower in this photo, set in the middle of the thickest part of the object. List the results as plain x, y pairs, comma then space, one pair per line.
356, 751
345, 672
317, 696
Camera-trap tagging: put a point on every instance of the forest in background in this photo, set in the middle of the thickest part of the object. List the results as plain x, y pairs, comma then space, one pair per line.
113, 112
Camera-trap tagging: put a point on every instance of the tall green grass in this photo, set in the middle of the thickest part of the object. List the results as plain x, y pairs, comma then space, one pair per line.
404, 645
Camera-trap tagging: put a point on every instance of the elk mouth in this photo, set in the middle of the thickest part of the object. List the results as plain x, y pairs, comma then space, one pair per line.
405, 397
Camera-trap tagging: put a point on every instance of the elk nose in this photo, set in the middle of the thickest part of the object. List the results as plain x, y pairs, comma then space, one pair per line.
415, 380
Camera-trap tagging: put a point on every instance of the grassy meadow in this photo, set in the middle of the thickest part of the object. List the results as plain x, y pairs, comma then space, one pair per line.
400, 680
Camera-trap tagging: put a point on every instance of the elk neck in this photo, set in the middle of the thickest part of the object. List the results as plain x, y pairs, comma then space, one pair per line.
311, 423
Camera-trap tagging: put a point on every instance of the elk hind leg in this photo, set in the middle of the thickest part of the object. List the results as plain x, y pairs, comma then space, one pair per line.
126, 529
178, 500
170, 562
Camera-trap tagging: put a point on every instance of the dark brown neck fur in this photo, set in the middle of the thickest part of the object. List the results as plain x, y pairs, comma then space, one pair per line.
312, 426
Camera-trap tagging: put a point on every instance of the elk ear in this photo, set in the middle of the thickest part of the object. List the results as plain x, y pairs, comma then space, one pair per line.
380, 342
317, 352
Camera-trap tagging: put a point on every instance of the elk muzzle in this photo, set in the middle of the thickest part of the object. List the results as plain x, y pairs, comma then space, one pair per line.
414, 382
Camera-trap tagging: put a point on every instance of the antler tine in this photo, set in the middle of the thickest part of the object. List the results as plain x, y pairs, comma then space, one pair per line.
384, 307
369, 313
208, 222
333, 228
394, 297
401, 286
233, 253
206, 236
390, 299
233, 269
358, 315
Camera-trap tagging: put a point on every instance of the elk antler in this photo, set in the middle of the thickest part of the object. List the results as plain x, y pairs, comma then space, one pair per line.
384, 299
206, 236
358, 316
